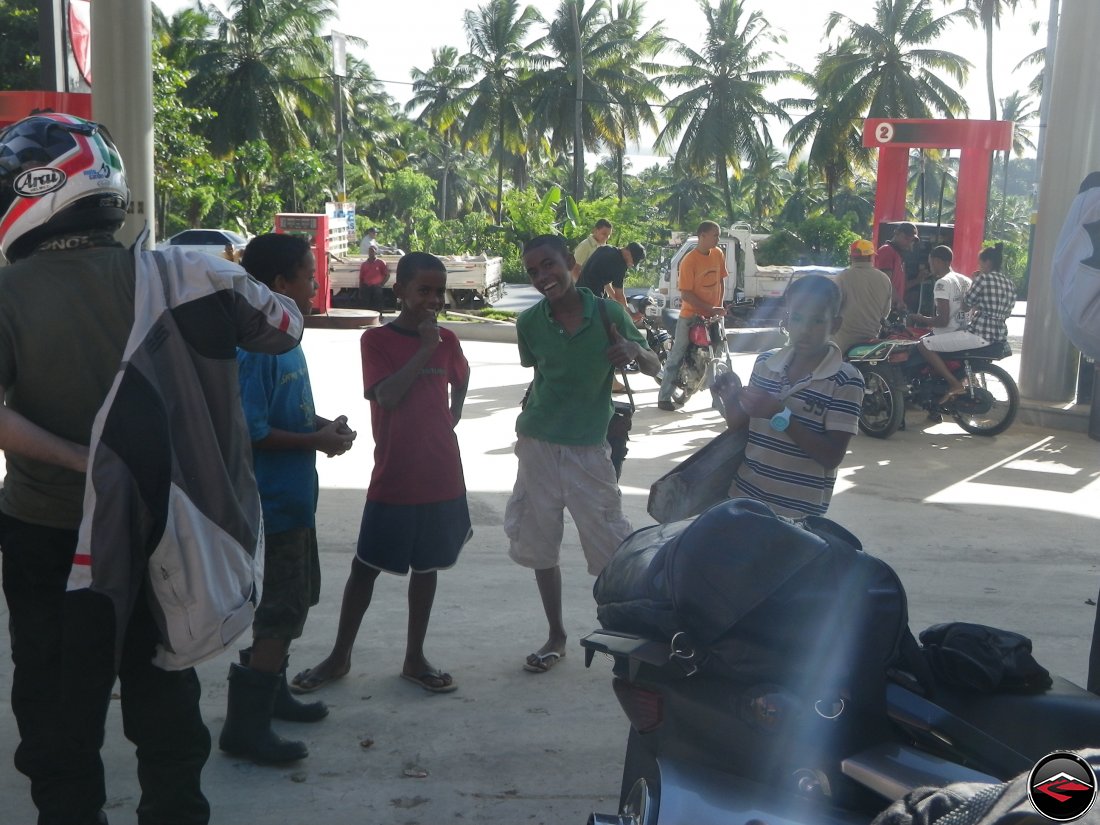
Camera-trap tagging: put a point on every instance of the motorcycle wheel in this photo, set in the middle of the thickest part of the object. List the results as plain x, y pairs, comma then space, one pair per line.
883, 408
990, 407
685, 389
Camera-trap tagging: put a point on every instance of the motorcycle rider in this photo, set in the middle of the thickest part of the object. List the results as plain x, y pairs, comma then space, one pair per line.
866, 297
701, 273
949, 323
69, 302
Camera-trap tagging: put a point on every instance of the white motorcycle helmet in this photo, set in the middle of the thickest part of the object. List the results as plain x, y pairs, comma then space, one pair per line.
59, 174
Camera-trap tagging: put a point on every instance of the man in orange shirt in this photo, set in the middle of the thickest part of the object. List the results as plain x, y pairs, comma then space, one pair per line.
701, 289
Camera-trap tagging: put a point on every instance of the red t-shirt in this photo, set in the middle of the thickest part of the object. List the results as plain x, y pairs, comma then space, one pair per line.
416, 456
373, 273
889, 260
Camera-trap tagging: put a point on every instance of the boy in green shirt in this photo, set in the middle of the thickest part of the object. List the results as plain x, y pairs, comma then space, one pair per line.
564, 459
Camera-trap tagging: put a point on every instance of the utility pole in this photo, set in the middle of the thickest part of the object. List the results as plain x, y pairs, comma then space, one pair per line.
1048, 366
578, 107
339, 72
122, 98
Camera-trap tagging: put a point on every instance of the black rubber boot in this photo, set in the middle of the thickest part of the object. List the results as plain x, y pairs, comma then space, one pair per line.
247, 730
287, 707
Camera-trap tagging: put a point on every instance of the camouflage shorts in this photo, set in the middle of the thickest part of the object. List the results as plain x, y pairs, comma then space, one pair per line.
292, 584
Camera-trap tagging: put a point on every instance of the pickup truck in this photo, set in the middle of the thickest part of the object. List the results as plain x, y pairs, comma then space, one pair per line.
472, 280
753, 294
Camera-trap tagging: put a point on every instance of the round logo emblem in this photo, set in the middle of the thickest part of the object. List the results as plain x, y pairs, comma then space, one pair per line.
1062, 786
34, 183
884, 132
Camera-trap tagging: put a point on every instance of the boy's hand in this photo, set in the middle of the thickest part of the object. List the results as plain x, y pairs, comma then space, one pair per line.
728, 386
621, 352
429, 333
757, 403
335, 438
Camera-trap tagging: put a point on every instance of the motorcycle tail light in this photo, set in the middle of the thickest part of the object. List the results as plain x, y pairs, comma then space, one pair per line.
699, 336
644, 708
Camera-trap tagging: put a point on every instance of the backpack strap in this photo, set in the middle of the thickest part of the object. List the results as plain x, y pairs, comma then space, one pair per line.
602, 304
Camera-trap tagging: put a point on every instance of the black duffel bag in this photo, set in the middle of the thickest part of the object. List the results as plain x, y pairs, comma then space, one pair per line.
762, 599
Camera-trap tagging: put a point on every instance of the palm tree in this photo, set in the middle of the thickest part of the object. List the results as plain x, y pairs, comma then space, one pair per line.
987, 14
438, 94
680, 193
804, 198
181, 37
1017, 109
264, 70
616, 88
888, 69
833, 134
765, 182
376, 134
495, 33
720, 117
635, 103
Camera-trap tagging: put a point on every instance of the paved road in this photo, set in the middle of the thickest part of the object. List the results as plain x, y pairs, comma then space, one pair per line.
999, 531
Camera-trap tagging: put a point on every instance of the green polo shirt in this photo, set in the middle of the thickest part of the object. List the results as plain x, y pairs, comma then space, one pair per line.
570, 400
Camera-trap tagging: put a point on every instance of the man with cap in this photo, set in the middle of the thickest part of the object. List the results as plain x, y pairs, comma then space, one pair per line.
891, 258
369, 241
866, 297
600, 235
608, 265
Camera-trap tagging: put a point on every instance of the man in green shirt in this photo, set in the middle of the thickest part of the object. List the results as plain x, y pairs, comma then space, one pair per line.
564, 460
600, 235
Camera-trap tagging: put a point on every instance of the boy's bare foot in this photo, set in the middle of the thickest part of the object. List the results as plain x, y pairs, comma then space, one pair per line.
313, 678
952, 392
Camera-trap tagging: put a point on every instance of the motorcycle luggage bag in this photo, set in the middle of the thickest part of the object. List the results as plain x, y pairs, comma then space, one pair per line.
763, 599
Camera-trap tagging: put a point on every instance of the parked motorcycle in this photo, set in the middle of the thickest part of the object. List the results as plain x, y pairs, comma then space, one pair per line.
895, 375
658, 338
835, 736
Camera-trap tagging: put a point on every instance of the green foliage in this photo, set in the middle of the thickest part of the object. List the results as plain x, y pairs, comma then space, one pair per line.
529, 215
472, 234
820, 239
782, 248
827, 240
20, 61
182, 162
303, 179
1014, 263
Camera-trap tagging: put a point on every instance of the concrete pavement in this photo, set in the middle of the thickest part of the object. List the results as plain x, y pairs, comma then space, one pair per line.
999, 531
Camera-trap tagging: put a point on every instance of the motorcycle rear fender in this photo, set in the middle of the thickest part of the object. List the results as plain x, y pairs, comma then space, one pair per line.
704, 796
636, 650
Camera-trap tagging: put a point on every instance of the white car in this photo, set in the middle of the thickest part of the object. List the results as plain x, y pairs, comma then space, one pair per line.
210, 241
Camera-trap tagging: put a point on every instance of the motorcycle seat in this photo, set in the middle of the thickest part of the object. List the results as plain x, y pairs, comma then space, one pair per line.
1002, 733
1000, 349
1063, 717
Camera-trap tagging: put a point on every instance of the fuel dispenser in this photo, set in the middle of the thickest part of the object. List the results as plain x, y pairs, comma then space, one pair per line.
977, 140
315, 229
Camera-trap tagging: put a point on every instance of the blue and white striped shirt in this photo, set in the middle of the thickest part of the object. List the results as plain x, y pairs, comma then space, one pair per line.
776, 470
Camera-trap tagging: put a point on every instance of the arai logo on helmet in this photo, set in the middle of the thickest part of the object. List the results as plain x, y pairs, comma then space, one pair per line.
34, 183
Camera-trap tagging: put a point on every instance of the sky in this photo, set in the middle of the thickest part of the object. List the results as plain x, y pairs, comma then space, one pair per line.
401, 36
